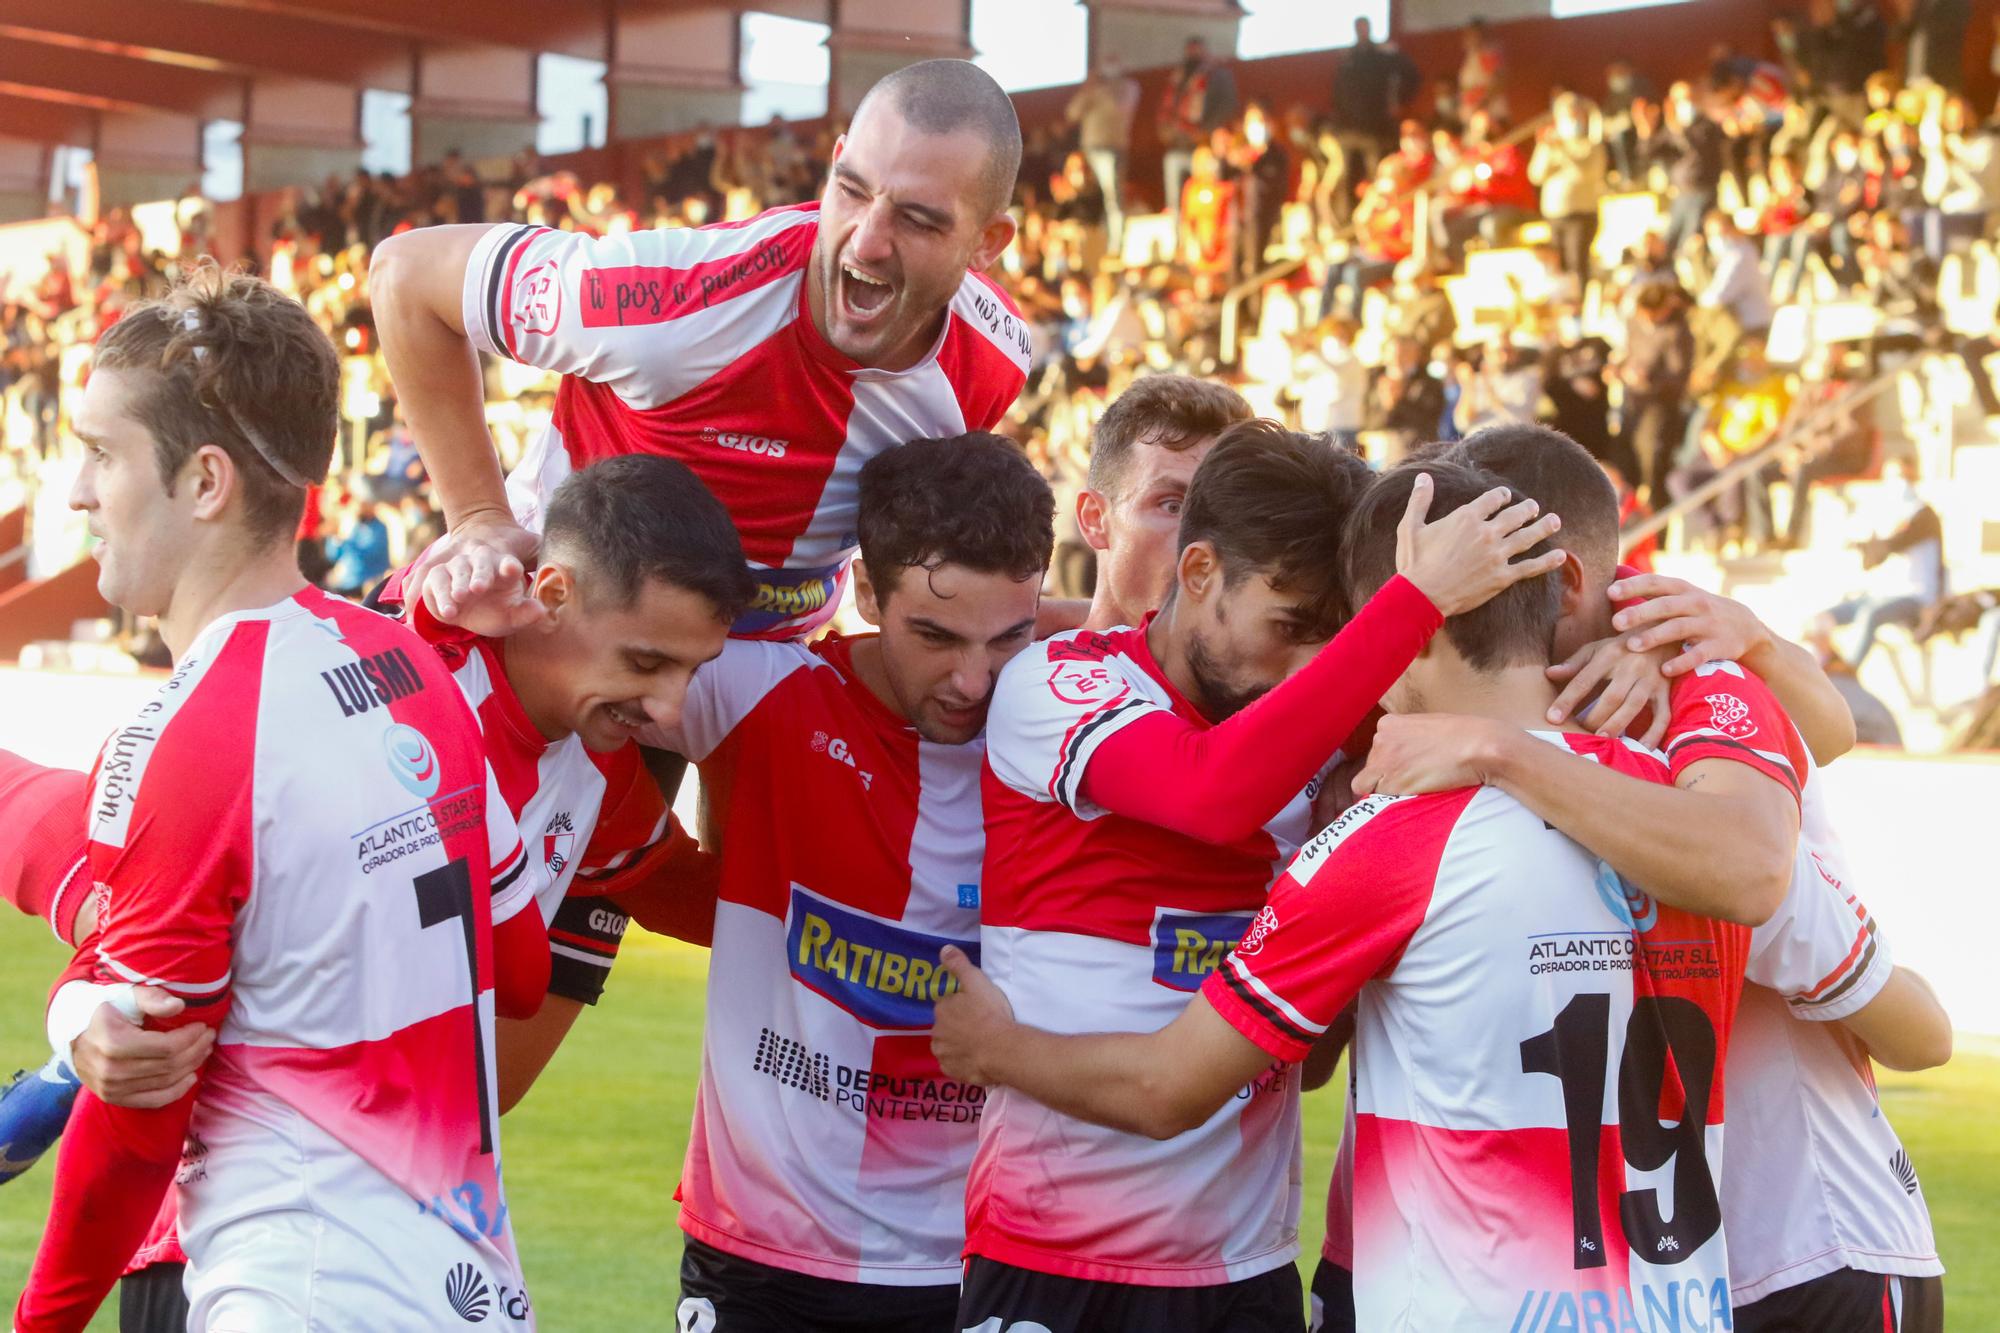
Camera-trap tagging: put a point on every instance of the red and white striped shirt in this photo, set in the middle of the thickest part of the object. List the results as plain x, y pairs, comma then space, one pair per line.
320, 886
826, 1140
696, 344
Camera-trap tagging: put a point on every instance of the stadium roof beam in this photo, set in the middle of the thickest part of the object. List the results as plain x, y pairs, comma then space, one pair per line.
186, 33
45, 121
534, 25
109, 82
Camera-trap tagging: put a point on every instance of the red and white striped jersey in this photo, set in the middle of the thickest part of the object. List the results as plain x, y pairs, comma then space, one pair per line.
697, 344
1817, 1180
582, 815
826, 1140
321, 882
1095, 922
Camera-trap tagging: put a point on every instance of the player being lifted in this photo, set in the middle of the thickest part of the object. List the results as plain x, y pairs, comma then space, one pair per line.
1479, 1072
1826, 1221
826, 1168
774, 357
1138, 803
239, 831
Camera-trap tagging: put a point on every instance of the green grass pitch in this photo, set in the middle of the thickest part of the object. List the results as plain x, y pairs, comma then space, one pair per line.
593, 1154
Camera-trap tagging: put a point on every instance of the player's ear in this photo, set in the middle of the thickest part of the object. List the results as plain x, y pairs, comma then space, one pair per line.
1199, 571
1570, 575
211, 478
994, 238
867, 600
554, 586
1090, 512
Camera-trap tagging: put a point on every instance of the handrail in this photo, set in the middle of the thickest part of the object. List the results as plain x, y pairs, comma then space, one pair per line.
1784, 437
1232, 300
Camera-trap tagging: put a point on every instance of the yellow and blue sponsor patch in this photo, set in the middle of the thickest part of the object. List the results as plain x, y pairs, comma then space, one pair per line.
883, 974
1188, 946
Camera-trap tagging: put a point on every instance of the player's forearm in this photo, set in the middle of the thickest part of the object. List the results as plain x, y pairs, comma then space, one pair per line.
112, 1171
1904, 1027
1122, 1080
415, 286
1794, 675
1225, 782
1712, 855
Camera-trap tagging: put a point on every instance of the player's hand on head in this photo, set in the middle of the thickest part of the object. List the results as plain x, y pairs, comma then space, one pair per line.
125, 1064
1415, 753
1700, 625
1470, 555
476, 576
1613, 690
970, 1021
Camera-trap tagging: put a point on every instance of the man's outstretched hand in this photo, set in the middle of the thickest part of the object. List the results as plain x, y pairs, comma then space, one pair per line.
125, 1064
972, 1022
476, 576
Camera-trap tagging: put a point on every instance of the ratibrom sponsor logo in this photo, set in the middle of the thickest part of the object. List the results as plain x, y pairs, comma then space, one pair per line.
374, 682
1189, 946
884, 974
763, 446
468, 1293
412, 760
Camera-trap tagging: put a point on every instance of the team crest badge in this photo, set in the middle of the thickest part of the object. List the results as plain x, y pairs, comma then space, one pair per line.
557, 842
538, 300
1261, 927
1731, 716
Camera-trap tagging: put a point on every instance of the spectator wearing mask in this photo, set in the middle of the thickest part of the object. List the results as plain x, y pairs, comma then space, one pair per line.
1781, 224
1570, 165
1622, 87
1482, 72
1102, 110
1654, 370
1736, 303
1838, 202
1384, 234
1262, 169
1504, 385
1200, 98
1691, 144
1372, 83
1333, 384
1405, 401
1574, 378
1488, 191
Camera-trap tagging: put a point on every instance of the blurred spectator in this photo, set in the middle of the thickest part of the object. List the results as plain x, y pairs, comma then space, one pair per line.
1905, 562
1744, 410
1262, 170
1372, 83
1405, 400
1624, 86
1102, 110
1487, 191
1333, 384
1200, 99
1961, 174
1690, 143
1933, 37
358, 552
1570, 165
1504, 384
1655, 367
1482, 73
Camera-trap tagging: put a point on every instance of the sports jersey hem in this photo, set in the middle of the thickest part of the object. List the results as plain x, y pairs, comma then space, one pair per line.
1832, 1261
1862, 986
1220, 992
1022, 1254
860, 1274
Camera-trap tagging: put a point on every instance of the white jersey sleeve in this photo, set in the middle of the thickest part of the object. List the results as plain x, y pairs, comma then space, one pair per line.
1822, 951
1054, 705
645, 312
724, 691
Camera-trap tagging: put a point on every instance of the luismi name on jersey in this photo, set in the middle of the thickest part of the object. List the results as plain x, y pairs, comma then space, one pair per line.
369, 683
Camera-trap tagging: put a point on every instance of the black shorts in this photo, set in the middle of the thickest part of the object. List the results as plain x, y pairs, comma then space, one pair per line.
1332, 1299
997, 1296
1849, 1301
722, 1293
151, 1300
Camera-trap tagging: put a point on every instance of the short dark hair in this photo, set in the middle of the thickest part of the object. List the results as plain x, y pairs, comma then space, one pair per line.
971, 499
638, 518
230, 360
1517, 626
1557, 473
1173, 412
1275, 502
946, 96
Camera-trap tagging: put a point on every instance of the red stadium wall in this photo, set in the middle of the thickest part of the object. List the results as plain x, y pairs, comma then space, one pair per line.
47, 609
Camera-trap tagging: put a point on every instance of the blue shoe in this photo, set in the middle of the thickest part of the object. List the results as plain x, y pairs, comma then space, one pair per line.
34, 1107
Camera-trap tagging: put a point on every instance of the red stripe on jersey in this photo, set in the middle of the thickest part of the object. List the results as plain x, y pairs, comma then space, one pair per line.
584, 942
984, 378
1860, 942
637, 294
521, 245
771, 487
1740, 717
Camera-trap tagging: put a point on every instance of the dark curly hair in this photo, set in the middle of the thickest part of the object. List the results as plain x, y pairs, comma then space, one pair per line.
972, 500
232, 361
641, 517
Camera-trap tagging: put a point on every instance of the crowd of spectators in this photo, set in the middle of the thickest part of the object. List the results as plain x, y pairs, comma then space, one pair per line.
1818, 177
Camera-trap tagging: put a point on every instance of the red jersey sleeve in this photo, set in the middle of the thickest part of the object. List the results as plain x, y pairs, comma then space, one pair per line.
1224, 782
1338, 917
44, 866
1722, 711
172, 832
